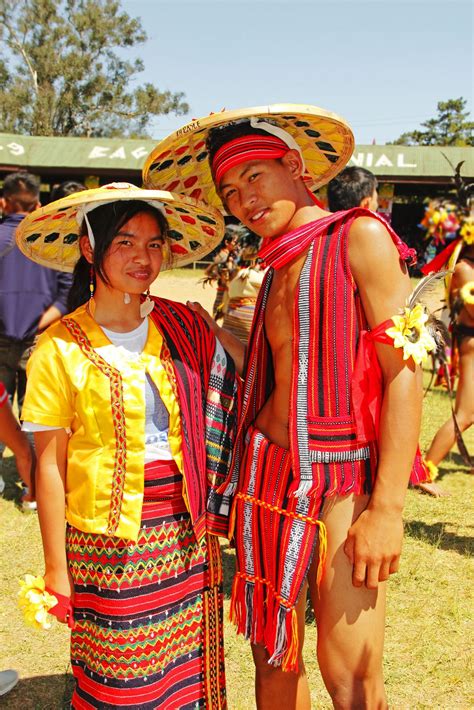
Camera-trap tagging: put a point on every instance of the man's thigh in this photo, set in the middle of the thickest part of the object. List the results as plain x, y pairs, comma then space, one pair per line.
350, 619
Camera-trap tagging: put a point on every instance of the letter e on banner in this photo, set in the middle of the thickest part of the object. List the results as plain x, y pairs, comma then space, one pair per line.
99, 151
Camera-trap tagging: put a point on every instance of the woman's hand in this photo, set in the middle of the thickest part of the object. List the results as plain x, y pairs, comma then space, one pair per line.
60, 583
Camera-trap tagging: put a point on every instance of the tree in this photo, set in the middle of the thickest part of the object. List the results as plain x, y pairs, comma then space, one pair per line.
63, 70
450, 127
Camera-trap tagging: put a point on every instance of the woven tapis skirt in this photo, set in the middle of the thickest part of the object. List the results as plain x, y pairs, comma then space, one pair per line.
148, 614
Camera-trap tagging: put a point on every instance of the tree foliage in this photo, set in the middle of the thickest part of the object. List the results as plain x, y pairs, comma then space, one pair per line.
450, 127
64, 70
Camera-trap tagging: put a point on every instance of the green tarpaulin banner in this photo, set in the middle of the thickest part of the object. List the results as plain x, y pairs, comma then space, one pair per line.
37, 152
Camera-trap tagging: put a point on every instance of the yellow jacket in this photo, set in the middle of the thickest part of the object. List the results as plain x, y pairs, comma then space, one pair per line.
103, 404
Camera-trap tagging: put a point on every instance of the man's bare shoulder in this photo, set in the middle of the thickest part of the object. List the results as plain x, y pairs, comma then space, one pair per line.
370, 239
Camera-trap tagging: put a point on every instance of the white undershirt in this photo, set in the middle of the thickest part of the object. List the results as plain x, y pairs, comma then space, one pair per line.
129, 346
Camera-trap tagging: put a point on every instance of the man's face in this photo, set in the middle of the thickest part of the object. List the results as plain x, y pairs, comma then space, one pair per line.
263, 194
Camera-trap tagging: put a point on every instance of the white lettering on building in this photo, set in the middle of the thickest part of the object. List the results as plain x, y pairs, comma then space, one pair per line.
16, 148
102, 151
98, 151
139, 153
401, 162
366, 160
119, 153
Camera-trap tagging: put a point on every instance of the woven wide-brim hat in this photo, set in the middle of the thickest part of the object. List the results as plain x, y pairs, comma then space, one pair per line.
50, 235
180, 162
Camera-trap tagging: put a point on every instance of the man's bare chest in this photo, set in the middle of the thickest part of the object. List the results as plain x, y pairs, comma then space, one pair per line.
279, 312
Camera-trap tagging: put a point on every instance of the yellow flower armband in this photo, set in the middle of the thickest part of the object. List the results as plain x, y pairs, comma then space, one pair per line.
36, 602
409, 332
467, 293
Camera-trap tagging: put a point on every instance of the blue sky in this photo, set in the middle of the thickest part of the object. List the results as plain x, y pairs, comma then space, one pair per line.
382, 65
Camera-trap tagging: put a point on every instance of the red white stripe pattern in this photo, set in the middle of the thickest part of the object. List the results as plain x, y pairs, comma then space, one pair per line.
246, 148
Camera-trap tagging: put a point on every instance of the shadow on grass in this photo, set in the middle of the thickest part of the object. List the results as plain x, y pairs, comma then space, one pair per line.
455, 462
47, 692
437, 536
12, 480
228, 566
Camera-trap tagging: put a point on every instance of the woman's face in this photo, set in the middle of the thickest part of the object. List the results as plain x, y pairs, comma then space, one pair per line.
134, 258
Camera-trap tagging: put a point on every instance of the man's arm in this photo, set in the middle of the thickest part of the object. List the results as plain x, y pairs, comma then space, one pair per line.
375, 539
59, 308
463, 274
16, 440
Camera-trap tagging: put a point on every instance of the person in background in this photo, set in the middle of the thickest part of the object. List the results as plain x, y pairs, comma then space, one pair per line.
17, 441
353, 187
220, 270
460, 300
32, 296
242, 293
68, 187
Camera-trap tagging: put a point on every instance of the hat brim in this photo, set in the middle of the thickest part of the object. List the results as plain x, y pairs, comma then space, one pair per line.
50, 235
180, 162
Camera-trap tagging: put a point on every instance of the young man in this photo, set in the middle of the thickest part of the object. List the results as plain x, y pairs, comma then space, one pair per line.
353, 187
327, 449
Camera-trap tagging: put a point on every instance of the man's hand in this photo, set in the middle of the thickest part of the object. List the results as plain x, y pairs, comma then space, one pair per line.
373, 546
197, 308
229, 342
50, 315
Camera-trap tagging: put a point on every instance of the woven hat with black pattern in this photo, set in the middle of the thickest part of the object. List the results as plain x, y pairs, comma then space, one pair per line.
50, 235
181, 161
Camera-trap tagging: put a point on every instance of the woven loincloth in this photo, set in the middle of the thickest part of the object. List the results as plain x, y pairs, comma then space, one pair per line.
275, 536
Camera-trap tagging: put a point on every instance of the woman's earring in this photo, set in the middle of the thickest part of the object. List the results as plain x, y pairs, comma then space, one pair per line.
126, 298
146, 306
91, 291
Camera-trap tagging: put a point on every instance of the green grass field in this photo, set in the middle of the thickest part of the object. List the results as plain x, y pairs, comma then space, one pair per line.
428, 660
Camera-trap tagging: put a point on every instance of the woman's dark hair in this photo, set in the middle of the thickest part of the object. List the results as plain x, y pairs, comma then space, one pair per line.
106, 221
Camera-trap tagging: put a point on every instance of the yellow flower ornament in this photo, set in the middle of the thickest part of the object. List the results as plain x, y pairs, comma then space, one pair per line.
36, 602
467, 293
467, 230
410, 333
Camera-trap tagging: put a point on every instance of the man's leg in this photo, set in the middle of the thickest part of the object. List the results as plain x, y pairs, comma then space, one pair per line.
9, 358
26, 350
350, 620
274, 688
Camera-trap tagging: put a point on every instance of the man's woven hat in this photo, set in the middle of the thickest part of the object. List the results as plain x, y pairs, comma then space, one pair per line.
180, 162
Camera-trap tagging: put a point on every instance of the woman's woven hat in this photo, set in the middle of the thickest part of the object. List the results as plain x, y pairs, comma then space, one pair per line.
50, 234
180, 162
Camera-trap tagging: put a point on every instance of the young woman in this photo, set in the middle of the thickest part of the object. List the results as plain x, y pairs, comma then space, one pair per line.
132, 402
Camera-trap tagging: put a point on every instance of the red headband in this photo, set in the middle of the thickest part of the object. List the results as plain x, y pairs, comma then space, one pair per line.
240, 150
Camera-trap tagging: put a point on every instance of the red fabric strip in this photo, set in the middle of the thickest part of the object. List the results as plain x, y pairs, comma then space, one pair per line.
440, 259
241, 150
